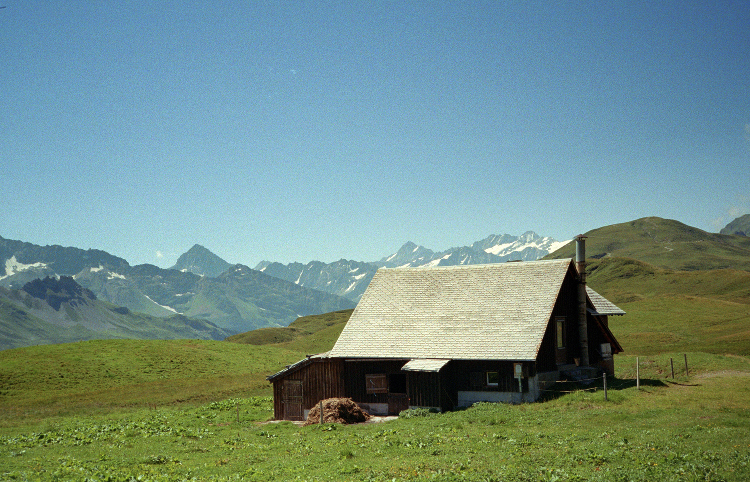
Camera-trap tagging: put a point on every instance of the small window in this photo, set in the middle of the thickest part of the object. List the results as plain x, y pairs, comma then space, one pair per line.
376, 383
493, 379
560, 322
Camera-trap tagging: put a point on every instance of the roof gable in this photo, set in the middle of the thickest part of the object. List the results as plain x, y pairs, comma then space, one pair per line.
494, 311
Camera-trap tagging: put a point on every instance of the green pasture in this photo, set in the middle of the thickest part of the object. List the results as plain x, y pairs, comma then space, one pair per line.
686, 428
123, 410
102, 376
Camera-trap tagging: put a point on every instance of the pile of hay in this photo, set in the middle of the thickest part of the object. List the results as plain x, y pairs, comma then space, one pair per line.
337, 410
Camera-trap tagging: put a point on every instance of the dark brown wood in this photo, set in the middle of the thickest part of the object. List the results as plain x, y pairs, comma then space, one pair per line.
424, 389
397, 403
316, 380
292, 397
376, 383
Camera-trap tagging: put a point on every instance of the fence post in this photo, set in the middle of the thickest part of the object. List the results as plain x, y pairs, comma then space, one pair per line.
637, 374
605, 386
321, 412
687, 374
671, 363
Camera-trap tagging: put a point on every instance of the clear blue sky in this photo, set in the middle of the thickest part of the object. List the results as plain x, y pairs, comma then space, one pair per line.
294, 131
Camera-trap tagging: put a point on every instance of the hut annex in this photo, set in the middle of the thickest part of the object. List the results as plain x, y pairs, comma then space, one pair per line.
447, 337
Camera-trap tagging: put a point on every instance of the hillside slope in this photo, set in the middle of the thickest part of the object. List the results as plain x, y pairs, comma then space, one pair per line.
110, 375
308, 334
739, 226
665, 243
674, 310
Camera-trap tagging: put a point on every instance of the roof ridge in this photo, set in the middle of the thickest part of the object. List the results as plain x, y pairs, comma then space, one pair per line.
479, 265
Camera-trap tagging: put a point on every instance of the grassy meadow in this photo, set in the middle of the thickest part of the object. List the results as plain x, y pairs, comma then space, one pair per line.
686, 428
129, 410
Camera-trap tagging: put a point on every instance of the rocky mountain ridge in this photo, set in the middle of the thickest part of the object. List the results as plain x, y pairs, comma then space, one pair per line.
349, 278
199, 260
739, 226
237, 300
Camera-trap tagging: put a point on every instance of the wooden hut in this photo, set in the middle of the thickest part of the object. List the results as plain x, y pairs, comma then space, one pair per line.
447, 337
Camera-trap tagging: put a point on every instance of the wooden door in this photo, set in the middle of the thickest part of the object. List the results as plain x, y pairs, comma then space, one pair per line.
397, 403
398, 400
292, 400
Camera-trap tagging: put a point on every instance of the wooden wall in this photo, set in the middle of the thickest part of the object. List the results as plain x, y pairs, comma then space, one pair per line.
425, 389
470, 375
322, 378
354, 378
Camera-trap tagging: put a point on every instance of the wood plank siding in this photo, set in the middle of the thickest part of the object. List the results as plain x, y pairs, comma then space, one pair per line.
356, 376
317, 380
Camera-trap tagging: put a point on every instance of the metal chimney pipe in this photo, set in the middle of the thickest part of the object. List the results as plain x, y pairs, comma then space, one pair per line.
583, 335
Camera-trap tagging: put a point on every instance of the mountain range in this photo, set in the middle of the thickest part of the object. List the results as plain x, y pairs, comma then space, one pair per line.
52, 294
349, 279
236, 300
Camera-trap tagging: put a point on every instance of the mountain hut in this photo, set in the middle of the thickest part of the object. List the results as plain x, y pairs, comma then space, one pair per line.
447, 337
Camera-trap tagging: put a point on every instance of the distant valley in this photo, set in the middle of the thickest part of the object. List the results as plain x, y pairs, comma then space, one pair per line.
202, 295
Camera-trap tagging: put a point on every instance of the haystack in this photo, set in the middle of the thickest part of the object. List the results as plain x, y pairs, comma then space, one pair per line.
337, 410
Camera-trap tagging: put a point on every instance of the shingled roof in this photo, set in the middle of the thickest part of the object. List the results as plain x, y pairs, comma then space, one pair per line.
493, 311
602, 306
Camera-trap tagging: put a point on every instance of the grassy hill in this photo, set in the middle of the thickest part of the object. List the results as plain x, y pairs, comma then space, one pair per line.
309, 334
740, 225
671, 310
665, 243
683, 289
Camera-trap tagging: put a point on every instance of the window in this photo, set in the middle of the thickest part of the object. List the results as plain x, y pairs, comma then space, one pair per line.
560, 322
376, 383
493, 379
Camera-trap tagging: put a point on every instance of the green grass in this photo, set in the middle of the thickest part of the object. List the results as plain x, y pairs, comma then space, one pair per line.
109, 375
198, 410
692, 324
665, 243
308, 334
688, 429
670, 310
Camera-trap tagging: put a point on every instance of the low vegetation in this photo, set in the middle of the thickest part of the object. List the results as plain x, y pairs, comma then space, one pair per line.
670, 310
106, 376
686, 428
665, 243
123, 410
308, 334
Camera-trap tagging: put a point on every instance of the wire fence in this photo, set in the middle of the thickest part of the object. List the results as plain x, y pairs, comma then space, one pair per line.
601, 382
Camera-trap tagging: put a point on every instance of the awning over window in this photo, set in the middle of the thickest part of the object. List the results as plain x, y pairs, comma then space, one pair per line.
425, 365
